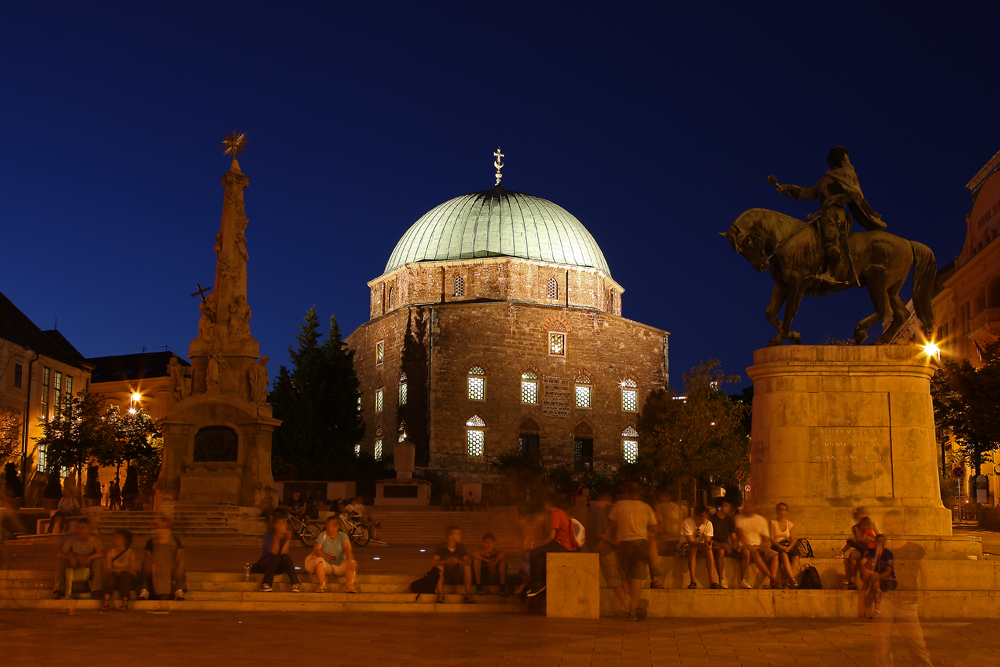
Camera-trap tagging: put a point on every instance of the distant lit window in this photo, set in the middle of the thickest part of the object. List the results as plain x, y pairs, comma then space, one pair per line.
529, 387
392, 297
583, 391
46, 384
57, 394
18, 373
557, 344
359, 402
69, 386
630, 396
378, 450
357, 450
379, 352
630, 445
379, 400
459, 286
402, 389
402, 431
477, 384
551, 289
475, 437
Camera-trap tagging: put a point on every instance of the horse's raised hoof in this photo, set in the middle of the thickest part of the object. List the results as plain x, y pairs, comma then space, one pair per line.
795, 338
774, 341
860, 337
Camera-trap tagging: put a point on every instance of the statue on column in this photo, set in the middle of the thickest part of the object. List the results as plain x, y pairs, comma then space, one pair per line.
206, 325
258, 381
239, 318
178, 382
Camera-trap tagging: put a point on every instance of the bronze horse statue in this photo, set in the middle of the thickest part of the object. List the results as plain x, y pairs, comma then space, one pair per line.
792, 250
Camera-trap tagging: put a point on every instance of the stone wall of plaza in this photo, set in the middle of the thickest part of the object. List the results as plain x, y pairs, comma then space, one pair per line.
498, 279
600, 353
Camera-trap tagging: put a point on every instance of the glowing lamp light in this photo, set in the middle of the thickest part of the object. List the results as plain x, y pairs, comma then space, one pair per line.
136, 397
932, 350
376, 558
131, 411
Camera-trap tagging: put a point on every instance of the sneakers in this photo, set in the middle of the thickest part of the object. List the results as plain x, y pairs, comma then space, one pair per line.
692, 585
295, 588
264, 588
532, 593
715, 586
59, 595
744, 584
722, 583
144, 594
179, 595
640, 610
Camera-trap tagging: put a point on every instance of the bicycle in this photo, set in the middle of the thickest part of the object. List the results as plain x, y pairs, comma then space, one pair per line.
357, 532
307, 532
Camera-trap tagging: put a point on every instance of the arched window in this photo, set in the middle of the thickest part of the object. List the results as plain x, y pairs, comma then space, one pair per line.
392, 297
584, 391
378, 443
995, 292
551, 289
630, 396
459, 290
379, 352
477, 384
528, 438
583, 446
529, 387
402, 388
630, 445
475, 436
379, 399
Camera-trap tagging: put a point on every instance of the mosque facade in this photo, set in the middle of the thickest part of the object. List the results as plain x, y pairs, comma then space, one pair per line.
497, 327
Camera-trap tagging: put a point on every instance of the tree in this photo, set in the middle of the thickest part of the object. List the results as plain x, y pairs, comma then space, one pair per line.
967, 404
317, 402
699, 434
10, 431
134, 433
76, 433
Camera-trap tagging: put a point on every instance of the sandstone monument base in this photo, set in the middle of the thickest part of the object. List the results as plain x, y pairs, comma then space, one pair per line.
835, 427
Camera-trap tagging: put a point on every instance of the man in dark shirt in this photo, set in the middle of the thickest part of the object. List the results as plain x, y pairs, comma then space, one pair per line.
724, 542
453, 561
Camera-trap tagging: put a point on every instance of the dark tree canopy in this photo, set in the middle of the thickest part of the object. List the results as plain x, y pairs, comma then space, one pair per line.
317, 401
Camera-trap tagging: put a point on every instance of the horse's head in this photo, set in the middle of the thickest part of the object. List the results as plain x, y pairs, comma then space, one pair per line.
746, 239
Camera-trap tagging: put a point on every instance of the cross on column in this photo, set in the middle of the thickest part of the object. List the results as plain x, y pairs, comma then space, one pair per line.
201, 291
498, 164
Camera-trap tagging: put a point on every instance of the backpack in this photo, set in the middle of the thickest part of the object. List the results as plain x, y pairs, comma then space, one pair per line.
426, 583
804, 548
810, 578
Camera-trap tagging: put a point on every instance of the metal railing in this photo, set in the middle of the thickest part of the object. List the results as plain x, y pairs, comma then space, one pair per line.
458, 462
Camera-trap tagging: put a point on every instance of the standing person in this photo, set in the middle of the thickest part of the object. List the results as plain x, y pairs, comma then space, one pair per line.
274, 558
68, 506
454, 564
559, 539
120, 569
668, 525
878, 575
696, 538
629, 523
755, 539
785, 544
357, 511
489, 561
533, 533
82, 551
115, 496
162, 564
724, 540
600, 542
445, 502
332, 554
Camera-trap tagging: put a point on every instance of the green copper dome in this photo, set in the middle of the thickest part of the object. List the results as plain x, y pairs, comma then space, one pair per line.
498, 223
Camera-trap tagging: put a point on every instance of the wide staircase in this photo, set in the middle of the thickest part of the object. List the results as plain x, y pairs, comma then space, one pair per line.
427, 525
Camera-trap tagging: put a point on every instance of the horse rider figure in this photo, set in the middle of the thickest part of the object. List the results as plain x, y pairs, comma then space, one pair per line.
840, 196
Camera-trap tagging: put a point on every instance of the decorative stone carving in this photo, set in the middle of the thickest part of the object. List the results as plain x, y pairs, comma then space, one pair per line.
239, 318
178, 383
206, 325
218, 243
258, 381
241, 246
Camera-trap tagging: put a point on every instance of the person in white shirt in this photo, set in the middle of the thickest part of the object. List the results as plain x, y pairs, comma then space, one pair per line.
785, 544
696, 538
356, 510
755, 544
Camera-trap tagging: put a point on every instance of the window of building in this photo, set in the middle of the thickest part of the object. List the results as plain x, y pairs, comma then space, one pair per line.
402, 388
557, 344
46, 380
379, 399
583, 391
551, 289
477, 384
528, 439
402, 431
529, 387
359, 402
583, 446
57, 394
630, 445
41, 457
69, 386
357, 450
18, 373
475, 436
378, 443
379, 352
392, 297
630, 396
459, 289
995, 292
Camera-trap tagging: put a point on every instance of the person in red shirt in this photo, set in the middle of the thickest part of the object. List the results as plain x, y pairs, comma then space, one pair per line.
560, 539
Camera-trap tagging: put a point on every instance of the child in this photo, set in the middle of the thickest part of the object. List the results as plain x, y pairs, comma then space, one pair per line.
454, 563
878, 575
862, 538
489, 561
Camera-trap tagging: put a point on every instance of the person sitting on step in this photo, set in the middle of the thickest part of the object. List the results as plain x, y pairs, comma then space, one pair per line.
454, 564
68, 506
489, 563
696, 539
755, 545
120, 568
162, 564
80, 558
332, 554
785, 544
358, 514
274, 557
862, 538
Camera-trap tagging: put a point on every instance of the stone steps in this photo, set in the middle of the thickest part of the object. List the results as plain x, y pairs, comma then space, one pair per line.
454, 605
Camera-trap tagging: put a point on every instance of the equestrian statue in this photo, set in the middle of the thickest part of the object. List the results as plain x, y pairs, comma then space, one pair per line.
822, 254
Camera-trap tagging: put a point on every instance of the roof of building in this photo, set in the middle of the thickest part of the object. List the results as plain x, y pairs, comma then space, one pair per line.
132, 366
983, 173
16, 327
498, 223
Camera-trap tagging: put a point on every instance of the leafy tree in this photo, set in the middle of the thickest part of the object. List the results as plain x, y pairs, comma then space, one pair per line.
700, 434
10, 431
76, 433
134, 433
967, 404
317, 401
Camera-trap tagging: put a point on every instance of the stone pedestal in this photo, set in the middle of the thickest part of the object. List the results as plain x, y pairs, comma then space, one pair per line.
572, 585
404, 490
835, 427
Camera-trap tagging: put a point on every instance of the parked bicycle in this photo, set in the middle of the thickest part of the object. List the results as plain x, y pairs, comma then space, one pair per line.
357, 532
305, 531
308, 531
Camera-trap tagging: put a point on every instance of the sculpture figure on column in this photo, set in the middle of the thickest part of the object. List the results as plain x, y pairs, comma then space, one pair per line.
258, 381
178, 382
239, 318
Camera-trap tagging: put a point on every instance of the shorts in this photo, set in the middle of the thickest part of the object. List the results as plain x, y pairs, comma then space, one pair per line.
488, 576
684, 548
609, 568
765, 552
313, 562
730, 551
453, 575
633, 559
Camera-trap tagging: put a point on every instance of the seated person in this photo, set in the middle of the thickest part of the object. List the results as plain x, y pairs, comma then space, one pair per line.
356, 511
878, 575
696, 538
80, 557
862, 538
724, 541
560, 538
310, 512
332, 554
68, 506
785, 544
489, 562
755, 545
453, 561
120, 569
274, 558
296, 505
162, 564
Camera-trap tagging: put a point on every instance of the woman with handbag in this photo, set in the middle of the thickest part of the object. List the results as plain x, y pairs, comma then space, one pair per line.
784, 542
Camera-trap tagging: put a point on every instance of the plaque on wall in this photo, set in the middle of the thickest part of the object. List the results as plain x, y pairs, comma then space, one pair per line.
216, 443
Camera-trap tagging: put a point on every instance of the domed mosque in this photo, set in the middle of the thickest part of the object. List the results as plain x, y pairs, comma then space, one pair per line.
496, 327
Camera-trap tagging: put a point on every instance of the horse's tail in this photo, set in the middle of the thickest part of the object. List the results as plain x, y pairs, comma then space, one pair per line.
924, 276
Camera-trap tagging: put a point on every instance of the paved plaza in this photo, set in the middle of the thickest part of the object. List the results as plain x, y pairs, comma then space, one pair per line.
410, 640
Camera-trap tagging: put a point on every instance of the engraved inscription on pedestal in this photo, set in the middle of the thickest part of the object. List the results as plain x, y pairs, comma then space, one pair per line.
851, 460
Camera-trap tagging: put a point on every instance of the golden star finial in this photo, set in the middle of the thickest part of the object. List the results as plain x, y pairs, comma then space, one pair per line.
234, 144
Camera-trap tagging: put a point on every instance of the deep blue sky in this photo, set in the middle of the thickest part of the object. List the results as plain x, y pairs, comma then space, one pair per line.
655, 128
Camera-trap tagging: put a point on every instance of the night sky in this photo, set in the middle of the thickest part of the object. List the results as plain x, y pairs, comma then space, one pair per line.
656, 128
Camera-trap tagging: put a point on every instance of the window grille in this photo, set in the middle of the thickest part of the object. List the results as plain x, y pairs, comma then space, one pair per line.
551, 289
583, 391
378, 400
630, 432
402, 389
529, 387
477, 384
459, 290
630, 450
392, 297
557, 344
476, 442
378, 450
630, 396
476, 421
379, 352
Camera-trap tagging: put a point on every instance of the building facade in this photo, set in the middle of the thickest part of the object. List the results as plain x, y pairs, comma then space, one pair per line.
497, 327
133, 381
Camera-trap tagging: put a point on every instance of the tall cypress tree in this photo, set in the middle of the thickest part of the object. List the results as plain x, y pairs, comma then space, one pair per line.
317, 402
